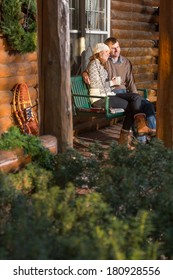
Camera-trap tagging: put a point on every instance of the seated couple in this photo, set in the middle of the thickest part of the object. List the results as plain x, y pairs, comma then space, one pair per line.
102, 66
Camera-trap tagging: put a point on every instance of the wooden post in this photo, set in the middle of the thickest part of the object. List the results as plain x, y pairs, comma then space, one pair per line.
165, 82
54, 71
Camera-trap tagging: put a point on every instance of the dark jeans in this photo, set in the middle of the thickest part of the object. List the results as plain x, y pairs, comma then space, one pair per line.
147, 108
130, 102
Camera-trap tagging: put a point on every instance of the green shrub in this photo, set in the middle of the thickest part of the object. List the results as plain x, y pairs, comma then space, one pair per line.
127, 216
18, 24
55, 224
131, 181
73, 167
142, 180
31, 145
31, 179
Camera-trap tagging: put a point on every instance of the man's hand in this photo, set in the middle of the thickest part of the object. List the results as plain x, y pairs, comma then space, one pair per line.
86, 77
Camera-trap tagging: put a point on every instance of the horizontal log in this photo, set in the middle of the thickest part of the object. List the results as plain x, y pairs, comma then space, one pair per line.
3, 44
50, 142
132, 7
13, 160
144, 77
152, 95
132, 34
152, 92
126, 43
5, 110
134, 17
5, 97
18, 69
147, 84
5, 124
140, 69
143, 60
9, 82
33, 93
153, 99
151, 3
139, 52
131, 25
7, 58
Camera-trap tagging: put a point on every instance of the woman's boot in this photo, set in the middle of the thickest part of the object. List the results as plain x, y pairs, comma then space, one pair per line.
126, 138
141, 125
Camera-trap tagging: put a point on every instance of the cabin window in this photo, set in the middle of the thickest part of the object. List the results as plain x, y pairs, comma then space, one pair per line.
89, 24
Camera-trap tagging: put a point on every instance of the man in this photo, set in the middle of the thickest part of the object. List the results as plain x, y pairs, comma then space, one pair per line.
121, 67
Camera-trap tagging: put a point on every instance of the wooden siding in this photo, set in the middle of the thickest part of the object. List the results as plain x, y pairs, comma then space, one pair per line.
135, 24
15, 68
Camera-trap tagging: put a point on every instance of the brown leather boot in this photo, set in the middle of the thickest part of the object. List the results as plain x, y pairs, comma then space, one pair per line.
126, 138
141, 125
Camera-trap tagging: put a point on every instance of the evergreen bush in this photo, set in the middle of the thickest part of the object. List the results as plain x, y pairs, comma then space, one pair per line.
55, 224
127, 216
18, 24
31, 145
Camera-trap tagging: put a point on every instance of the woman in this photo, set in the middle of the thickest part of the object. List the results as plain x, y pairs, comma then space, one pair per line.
130, 102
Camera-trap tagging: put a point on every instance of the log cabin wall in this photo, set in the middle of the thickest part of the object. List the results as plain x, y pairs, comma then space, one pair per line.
135, 24
15, 68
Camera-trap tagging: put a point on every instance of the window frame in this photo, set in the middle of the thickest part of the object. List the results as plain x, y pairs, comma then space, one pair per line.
82, 29
83, 39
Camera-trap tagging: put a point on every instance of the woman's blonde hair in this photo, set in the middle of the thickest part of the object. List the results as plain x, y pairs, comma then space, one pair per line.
97, 56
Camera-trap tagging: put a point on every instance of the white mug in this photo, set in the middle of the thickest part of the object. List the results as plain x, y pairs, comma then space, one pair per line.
117, 80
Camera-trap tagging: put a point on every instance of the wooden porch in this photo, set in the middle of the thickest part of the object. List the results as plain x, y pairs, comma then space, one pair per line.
104, 136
